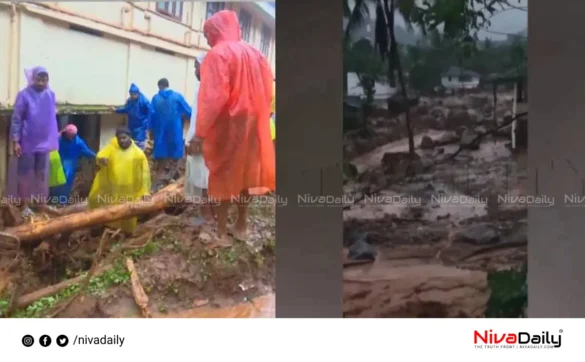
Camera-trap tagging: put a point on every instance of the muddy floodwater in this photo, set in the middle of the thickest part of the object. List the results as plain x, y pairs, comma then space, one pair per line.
435, 234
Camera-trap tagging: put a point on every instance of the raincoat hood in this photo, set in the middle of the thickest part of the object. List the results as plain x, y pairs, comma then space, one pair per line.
134, 89
114, 143
31, 73
165, 93
222, 26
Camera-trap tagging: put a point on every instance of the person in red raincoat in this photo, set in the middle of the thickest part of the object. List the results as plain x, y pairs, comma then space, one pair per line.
233, 122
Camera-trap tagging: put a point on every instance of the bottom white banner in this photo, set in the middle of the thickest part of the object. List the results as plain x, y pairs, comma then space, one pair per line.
287, 339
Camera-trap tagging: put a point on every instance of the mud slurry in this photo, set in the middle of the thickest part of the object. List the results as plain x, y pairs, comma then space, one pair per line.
437, 234
178, 272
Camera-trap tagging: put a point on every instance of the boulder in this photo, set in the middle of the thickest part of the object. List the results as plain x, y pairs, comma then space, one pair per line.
427, 143
484, 233
468, 140
458, 118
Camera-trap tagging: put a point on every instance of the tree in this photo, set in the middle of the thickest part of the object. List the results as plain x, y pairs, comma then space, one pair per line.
459, 19
362, 59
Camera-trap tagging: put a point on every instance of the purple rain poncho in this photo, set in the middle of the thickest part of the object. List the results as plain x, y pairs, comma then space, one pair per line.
34, 127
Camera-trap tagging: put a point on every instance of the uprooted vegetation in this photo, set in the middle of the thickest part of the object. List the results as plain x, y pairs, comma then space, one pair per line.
446, 231
164, 270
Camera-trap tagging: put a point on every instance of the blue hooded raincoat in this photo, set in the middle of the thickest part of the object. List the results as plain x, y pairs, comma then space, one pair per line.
166, 124
138, 112
70, 151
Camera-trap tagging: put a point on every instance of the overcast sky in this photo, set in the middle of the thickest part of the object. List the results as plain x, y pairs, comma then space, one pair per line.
508, 22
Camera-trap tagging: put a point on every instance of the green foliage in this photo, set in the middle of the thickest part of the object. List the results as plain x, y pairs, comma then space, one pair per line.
98, 285
458, 20
509, 294
426, 62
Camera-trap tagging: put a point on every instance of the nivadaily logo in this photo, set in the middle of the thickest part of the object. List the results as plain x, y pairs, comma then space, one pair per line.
489, 339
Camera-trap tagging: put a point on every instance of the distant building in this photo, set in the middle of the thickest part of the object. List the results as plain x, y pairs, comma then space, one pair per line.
458, 78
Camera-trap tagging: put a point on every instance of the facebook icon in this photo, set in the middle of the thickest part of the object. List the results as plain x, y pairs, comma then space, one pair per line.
45, 340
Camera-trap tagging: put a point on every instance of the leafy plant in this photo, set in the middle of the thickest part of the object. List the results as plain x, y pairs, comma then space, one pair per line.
509, 294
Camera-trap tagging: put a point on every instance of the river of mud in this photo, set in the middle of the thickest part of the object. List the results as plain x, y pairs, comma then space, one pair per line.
436, 234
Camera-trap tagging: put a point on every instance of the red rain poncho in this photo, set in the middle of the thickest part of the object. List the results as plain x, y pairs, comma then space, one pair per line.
234, 110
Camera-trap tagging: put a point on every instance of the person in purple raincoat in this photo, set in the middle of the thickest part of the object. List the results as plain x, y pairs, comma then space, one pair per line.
34, 134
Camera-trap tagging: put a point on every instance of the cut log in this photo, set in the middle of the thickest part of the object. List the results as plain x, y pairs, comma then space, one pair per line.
140, 296
55, 289
30, 233
73, 209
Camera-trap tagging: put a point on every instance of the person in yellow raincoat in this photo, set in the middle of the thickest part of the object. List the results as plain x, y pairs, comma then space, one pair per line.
123, 176
56, 176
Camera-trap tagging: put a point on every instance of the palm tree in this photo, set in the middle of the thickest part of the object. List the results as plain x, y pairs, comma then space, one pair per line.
385, 43
459, 19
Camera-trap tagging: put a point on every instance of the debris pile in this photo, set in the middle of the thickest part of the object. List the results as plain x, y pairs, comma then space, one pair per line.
439, 223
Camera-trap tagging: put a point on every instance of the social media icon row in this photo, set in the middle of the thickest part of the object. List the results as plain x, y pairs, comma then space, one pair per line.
45, 340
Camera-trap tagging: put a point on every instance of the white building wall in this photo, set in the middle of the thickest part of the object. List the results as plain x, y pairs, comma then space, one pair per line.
454, 83
92, 70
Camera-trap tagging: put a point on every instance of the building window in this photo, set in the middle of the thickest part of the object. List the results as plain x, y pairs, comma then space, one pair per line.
245, 25
214, 7
172, 8
265, 40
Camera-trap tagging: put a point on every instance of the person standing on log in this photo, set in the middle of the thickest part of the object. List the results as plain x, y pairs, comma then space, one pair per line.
71, 149
138, 109
196, 173
166, 129
123, 176
233, 121
34, 134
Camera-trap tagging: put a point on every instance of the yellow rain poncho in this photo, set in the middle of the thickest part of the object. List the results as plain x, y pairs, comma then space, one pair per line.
125, 178
56, 173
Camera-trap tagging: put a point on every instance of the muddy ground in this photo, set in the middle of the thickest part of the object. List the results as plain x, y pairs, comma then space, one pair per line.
437, 232
181, 273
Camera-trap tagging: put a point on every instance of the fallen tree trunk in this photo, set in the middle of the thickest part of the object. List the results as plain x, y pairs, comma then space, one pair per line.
30, 233
55, 289
73, 209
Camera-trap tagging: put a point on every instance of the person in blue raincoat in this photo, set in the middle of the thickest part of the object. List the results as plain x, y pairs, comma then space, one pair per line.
71, 149
169, 108
138, 109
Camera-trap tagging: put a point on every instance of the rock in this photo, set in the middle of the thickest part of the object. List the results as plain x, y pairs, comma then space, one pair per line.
421, 110
478, 234
349, 170
473, 116
459, 131
414, 291
457, 119
439, 112
440, 151
479, 101
480, 130
507, 117
448, 138
468, 140
427, 143
397, 163
361, 249
428, 121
